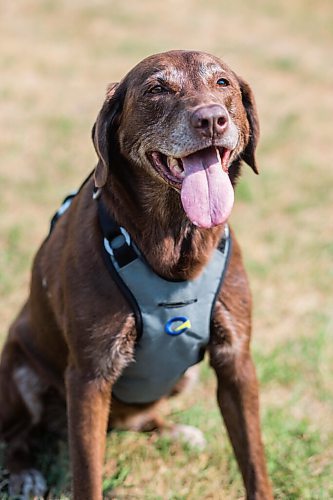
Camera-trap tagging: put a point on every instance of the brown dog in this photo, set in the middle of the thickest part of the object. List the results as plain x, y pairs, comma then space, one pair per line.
170, 139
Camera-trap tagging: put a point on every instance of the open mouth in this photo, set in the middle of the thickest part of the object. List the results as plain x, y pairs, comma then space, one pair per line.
173, 170
202, 178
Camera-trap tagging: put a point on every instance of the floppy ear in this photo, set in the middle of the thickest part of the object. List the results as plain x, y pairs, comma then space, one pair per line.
101, 132
249, 104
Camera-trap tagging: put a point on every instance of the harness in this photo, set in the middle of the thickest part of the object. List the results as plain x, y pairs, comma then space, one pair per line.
173, 318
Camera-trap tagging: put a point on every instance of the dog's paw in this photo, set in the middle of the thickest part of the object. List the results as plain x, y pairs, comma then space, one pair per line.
27, 484
187, 434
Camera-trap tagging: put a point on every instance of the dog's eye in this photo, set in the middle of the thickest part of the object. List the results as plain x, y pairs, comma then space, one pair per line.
158, 89
223, 82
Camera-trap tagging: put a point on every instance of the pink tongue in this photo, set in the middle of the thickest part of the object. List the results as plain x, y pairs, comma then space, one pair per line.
207, 194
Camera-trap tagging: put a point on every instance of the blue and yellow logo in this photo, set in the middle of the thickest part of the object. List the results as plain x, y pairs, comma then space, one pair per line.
176, 326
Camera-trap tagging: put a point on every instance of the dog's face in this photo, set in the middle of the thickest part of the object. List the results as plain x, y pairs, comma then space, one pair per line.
184, 118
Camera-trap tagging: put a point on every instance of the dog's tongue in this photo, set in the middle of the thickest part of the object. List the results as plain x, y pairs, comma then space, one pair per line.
207, 194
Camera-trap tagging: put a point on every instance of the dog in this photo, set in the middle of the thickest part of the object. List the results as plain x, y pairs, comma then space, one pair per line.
170, 139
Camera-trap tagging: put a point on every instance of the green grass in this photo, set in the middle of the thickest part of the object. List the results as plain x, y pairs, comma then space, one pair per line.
297, 360
297, 449
13, 258
298, 442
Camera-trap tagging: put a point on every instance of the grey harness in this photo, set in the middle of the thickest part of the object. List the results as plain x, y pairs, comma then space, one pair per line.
173, 317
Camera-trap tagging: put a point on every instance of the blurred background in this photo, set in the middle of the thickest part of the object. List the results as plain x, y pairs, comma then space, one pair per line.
56, 59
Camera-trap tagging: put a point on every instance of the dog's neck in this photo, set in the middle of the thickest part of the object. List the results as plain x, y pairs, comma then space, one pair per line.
155, 219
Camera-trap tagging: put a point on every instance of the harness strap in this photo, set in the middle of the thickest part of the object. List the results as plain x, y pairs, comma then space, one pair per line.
117, 243
117, 239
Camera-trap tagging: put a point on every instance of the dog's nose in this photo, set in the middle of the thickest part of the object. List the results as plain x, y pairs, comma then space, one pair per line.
210, 121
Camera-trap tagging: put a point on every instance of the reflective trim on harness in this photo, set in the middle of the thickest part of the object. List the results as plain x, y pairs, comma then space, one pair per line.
117, 242
64, 206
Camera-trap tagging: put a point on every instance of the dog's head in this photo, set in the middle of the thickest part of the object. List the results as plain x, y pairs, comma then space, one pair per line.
186, 120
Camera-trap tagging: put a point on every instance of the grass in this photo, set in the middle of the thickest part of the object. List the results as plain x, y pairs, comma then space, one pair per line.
56, 61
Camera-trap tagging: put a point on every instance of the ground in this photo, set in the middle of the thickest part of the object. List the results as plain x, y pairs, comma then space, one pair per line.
56, 61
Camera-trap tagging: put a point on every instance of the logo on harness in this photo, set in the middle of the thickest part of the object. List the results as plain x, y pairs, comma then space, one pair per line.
176, 326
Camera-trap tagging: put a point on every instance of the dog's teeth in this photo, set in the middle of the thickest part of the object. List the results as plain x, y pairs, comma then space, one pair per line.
172, 163
174, 166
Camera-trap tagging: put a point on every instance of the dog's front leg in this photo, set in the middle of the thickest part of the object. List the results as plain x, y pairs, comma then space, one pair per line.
88, 402
238, 400
237, 390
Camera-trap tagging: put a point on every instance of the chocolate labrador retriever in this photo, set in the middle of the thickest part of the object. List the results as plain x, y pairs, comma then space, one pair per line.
170, 139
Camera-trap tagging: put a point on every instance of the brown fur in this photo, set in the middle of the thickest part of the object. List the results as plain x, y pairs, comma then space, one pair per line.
76, 332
